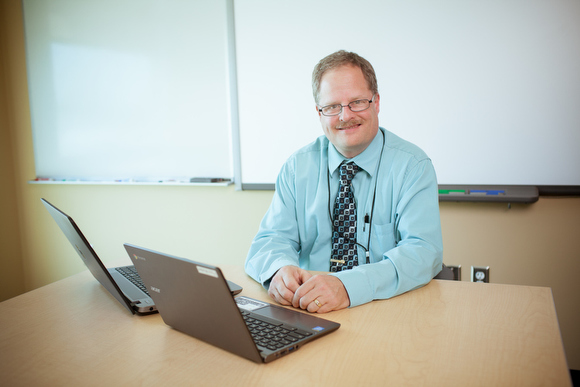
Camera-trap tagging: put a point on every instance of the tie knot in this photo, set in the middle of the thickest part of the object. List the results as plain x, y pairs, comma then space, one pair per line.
347, 172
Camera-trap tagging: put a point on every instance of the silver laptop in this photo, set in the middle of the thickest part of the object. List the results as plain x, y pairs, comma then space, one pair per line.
122, 282
193, 298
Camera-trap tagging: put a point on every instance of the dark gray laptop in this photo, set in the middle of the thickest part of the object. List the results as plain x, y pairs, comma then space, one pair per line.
193, 298
122, 282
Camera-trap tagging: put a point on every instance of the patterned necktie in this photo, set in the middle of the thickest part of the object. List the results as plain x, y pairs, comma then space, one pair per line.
344, 250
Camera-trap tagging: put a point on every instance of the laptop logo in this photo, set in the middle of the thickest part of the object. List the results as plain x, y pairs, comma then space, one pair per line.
318, 329
156, 290
136, 257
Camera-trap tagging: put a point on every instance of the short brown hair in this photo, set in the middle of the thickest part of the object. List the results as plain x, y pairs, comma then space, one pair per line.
339, 59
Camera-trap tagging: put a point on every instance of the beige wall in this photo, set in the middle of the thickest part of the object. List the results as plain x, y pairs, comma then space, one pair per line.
11, 40
533, 244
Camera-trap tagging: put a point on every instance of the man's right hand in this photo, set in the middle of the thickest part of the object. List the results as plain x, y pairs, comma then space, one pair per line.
285, 283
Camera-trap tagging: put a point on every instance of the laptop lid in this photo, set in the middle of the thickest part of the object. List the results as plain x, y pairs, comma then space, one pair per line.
194, 298
96, 266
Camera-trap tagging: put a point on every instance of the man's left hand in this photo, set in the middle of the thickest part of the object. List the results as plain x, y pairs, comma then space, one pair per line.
321, 294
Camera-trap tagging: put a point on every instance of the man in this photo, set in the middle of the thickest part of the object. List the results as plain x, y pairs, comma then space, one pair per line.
359, 202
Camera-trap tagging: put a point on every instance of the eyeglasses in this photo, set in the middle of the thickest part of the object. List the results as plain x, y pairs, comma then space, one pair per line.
355, 106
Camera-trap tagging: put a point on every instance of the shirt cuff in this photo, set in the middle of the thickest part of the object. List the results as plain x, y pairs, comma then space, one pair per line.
364, 282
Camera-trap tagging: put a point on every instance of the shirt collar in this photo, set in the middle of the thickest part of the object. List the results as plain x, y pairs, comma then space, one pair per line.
367, 160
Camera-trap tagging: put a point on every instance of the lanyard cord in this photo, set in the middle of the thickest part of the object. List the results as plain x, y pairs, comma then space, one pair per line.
367, 249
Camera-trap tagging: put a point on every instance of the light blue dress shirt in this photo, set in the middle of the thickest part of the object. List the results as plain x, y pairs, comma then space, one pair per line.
406, 246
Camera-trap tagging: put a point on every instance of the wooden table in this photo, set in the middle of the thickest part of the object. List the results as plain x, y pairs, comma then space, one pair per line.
447, 333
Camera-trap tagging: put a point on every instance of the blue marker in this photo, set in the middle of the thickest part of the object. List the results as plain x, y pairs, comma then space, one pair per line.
487, 192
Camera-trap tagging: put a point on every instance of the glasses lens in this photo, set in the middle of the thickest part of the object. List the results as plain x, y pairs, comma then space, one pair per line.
331, 110
359, 105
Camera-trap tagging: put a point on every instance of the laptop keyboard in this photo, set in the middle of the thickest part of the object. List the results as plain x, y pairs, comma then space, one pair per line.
272, 335
131, 274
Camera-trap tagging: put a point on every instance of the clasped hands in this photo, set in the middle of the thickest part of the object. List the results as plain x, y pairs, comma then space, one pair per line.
294, 286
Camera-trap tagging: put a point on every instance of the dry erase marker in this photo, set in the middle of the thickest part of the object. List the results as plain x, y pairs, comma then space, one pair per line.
208, 180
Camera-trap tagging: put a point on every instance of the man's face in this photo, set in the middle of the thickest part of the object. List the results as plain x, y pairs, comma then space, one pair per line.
350, 132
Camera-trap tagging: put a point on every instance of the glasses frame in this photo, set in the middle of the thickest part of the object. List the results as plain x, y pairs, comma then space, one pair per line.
343, 106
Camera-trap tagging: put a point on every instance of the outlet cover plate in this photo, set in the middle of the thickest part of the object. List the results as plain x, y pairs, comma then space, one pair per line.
479, 274
456, 272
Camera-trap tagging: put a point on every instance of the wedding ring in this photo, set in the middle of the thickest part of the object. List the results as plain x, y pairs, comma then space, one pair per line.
317, 303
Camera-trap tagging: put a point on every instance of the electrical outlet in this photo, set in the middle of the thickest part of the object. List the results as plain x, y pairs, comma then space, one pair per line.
479, 274
456, 272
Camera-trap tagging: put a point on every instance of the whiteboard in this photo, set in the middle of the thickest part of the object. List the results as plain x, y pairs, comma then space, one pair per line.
132, 89
489, 89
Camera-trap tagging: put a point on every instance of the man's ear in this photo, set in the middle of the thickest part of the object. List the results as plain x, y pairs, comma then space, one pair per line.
377, 102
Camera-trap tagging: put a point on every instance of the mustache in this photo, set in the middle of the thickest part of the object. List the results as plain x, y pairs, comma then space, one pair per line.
348, 124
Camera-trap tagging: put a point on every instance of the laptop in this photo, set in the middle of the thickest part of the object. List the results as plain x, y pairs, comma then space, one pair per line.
193, 298
122, 282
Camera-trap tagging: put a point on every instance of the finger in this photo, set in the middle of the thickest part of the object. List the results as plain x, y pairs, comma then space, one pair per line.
310, 299
305, 294
283, 285
291, 276
280, 293
304, 276
301, 299
314, 306
279, 298
325, 308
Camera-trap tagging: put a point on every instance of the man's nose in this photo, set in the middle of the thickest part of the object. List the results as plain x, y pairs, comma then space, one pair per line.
346, 114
